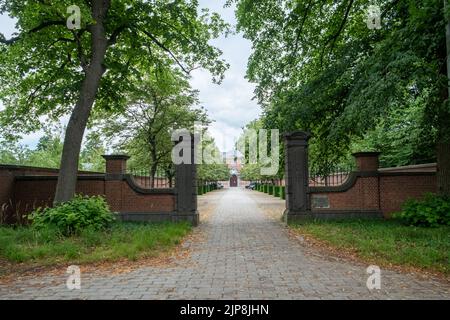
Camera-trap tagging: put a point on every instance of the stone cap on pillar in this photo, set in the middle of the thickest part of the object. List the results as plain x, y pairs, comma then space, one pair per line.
367, 161
116, 163
296, 137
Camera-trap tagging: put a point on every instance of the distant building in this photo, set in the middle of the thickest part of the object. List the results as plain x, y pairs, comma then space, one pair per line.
233, 159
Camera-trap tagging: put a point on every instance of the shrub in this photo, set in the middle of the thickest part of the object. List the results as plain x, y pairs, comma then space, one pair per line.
276, 191
432, 211
283, 192
82, 212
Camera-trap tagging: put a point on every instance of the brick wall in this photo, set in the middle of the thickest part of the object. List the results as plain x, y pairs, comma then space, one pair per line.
28, 170
362, 195
382, 190
28, 188
367, 190
38, 191
6, 193
395, 188
162, 202
31, 192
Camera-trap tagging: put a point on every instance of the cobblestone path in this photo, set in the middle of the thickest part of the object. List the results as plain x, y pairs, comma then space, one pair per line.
241, 253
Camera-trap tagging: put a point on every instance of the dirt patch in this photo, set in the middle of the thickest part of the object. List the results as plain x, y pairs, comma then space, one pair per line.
207, 203
328, 251
271, 206
10, 272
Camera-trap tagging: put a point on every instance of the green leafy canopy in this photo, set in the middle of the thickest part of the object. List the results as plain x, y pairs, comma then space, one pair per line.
43, 65
319, 68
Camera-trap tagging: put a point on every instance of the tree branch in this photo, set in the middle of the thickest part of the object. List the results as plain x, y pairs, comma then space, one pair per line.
61, 40
300, 29
33, 30
47, 24
335, 36
45, 85
112, 40
80, 53
162, 46
8, 41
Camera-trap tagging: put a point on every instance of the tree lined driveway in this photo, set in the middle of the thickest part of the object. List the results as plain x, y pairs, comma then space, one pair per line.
239, 252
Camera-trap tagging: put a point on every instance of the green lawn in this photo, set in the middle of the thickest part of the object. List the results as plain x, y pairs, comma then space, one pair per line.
122, 240
386, 242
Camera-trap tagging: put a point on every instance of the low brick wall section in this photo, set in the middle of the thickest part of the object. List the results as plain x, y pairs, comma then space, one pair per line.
10, 205
122, 195
6, 190
374, 191
23, 189
31, 192
396, 188
358, 193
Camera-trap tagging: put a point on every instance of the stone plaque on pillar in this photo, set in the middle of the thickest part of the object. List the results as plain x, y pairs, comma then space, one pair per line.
296, 175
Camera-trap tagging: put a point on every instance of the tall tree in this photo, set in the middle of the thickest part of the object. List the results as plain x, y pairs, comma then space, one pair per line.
13, 153
158, 105
47, 153
213, 167
320, 68
49, 69
250, 164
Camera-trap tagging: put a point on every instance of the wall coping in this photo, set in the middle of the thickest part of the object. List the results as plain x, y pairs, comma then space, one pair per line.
366, 154
349, 183
410, 167
126, 177
407, 173
297, 135
38, 177
354, 175
133, 185
116, 157
56, 170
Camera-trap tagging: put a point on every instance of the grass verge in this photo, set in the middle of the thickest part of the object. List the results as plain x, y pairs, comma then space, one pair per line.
123, 240
385, 242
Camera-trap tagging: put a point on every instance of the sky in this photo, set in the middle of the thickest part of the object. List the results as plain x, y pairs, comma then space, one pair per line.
229, 104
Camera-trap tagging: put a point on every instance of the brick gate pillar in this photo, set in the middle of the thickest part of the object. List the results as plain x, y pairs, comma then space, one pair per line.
116, 164
186, 188
367, 161
116, 167
296, 175
367, 164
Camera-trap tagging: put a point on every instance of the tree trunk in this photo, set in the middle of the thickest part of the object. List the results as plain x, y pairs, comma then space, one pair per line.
67, 178
169, 175
443, 173
153, 174
153, 167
